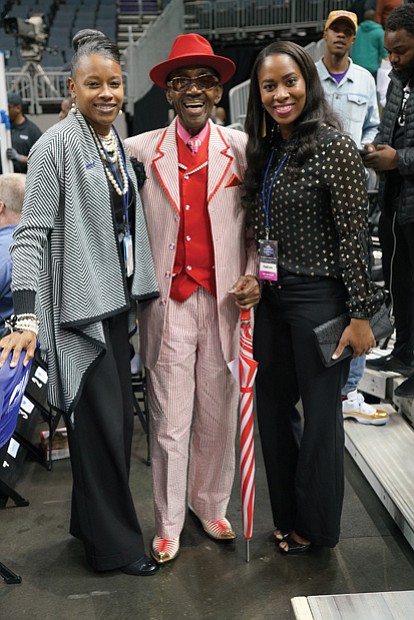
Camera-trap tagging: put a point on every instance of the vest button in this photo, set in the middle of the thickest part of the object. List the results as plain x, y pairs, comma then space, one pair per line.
188, 238
189, 267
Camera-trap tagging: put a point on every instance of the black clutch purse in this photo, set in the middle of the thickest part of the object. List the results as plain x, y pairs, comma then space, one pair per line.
328, 334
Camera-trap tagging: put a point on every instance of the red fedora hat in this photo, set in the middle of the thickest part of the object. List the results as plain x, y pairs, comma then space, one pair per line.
192, 49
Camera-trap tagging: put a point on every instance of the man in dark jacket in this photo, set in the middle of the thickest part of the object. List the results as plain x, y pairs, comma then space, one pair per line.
24, 133
392, 154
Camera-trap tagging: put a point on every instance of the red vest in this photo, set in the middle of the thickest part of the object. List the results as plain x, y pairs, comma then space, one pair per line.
194, 258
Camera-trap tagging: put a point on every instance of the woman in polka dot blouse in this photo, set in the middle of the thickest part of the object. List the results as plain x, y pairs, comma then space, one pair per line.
305, 192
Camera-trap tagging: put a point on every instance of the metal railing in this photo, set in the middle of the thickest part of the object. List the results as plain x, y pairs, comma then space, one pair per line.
22, 83
44, 87
241, 18
238, 98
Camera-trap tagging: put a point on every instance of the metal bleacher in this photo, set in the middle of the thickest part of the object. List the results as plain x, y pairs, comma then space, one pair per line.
241, 19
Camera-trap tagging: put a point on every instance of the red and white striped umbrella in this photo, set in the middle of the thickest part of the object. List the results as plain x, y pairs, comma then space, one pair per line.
247, 374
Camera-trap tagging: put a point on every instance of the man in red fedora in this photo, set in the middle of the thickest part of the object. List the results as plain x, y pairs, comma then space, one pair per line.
204, 257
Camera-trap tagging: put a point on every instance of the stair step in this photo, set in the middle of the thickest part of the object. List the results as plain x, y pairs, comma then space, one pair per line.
384, 454
366, 606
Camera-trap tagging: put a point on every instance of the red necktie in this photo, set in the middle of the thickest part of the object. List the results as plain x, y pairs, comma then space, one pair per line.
194, 144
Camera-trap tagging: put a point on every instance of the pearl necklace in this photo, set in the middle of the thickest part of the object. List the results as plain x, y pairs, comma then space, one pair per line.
109, 144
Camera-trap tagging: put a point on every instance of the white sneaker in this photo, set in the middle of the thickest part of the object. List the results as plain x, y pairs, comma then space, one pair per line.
355, 407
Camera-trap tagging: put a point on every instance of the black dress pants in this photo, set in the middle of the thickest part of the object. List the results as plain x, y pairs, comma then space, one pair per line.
397, 245
303, 458
103, 513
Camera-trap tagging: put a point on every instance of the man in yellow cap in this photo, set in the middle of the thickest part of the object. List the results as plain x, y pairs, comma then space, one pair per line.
204, 260
349, 88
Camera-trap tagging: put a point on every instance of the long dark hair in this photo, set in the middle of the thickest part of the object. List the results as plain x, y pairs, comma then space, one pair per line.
304, 137
88, 42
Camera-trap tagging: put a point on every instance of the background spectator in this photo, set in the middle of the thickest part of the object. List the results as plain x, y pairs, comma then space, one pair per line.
350, 90
384, 8
368, 48
392, 155
360, 6
11, 202
24, 133
65, 107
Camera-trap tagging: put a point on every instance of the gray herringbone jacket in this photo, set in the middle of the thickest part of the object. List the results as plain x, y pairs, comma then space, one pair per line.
65, 249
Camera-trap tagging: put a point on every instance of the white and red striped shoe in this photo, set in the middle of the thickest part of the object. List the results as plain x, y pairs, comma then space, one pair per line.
220, 530
164, 550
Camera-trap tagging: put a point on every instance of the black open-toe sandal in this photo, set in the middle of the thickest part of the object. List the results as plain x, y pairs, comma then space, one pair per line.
281, 536
294, 547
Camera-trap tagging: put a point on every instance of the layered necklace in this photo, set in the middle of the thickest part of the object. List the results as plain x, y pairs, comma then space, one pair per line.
110, 155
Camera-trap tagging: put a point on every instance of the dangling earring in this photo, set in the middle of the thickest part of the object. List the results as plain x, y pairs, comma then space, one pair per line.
275, 129
74, 109
264, 128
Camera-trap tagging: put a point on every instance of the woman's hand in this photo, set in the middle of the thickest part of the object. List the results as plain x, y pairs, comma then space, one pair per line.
246, 292
18, 342
358, 335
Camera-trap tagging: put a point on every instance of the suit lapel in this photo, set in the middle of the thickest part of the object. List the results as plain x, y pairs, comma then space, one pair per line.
219, 160
165, 165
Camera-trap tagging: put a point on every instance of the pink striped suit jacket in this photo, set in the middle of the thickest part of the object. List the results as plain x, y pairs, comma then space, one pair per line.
234, 248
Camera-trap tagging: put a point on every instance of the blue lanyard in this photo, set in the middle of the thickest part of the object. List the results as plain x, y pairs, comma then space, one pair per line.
115, 173
266, 200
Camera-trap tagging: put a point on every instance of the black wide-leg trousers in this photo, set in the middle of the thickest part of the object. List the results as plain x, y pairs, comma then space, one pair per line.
103, 514
303, 458
397, 245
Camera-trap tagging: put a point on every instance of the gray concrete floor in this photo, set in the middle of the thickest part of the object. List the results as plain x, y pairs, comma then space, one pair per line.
207, 580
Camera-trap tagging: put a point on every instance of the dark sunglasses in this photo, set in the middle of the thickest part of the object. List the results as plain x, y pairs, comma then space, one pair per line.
203, 82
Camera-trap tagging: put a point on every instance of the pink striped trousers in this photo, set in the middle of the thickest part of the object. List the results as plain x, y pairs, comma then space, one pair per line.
193, 400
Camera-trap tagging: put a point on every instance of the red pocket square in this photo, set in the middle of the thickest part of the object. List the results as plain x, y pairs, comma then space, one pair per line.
234, 181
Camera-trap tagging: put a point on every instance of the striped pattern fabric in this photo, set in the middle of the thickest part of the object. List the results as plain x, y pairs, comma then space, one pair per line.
163, 550
235, 250
193, 401
219, 530
66, 249
186, 346
247, 374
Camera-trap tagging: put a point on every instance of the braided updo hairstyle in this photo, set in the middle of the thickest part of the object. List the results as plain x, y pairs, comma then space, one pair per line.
88, 42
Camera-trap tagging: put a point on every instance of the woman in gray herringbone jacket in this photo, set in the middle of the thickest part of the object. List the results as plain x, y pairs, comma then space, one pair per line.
81, 257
